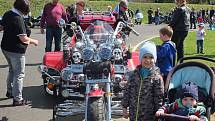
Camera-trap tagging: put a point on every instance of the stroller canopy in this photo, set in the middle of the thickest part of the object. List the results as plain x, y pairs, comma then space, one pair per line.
195, 72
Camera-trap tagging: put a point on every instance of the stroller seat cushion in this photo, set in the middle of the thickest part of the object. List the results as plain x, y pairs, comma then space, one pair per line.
194, 74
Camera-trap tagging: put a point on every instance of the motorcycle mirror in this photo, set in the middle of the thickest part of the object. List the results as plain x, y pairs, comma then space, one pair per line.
42, 68
62, 22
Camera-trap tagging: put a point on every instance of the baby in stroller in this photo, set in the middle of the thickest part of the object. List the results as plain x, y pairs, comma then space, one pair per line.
187, 104
190, 93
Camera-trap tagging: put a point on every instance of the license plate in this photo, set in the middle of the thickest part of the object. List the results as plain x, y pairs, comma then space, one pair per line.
119, 69
95, 81
77, 68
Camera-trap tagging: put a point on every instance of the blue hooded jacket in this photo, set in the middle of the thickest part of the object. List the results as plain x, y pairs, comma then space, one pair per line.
166, 56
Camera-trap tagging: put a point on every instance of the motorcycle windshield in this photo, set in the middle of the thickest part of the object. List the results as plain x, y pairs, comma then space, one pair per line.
99, 32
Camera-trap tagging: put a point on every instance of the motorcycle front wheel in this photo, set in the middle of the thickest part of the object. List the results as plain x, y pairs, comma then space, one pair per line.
95, 109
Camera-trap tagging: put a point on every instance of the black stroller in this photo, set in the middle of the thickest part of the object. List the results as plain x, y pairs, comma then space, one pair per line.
191, 71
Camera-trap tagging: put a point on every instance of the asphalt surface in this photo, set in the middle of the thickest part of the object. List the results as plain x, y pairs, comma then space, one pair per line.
42, 104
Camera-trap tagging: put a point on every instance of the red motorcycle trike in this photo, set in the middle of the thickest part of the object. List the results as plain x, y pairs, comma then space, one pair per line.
93, 65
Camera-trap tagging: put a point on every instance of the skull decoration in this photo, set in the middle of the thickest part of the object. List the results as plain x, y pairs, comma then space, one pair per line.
117, 54
76, 56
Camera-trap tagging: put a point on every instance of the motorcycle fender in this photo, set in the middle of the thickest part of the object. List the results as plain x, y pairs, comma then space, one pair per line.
54, 60
96, 93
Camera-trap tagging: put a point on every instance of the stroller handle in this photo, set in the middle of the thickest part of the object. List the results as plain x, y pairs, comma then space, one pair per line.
195, 58
173, 117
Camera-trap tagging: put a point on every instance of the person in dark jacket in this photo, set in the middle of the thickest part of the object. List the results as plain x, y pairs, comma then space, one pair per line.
157, 16
150, 12
166, 53
144, 91
193, 17
121, 12
180, 25
211, 13
14, 45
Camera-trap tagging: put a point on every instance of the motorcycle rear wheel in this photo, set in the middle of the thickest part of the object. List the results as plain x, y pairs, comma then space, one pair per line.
96, 109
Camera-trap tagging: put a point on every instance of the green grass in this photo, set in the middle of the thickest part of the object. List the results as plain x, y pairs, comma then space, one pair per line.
37, 6
190, 45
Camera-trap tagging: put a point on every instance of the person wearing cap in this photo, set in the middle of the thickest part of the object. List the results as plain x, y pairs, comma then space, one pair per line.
120, 11
14, 45
80, 4
200, 35
52, 13
186, 105
143, 94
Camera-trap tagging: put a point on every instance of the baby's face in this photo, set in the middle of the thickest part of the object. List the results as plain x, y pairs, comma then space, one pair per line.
189, 101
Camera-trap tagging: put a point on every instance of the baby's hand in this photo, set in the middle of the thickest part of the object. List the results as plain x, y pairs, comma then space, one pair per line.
159, 113
193, 118
125, 113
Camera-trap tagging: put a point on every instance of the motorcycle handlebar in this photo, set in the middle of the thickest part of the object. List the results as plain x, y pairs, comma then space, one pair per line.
125, 24
134, 31
174, 117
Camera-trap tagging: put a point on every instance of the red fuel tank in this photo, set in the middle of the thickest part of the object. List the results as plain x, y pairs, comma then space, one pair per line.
54, 60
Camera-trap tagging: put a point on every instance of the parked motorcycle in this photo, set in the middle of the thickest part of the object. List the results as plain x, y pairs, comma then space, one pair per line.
35, 21
94, 67
32, 21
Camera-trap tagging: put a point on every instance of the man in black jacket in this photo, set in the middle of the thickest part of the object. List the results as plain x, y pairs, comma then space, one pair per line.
193, 17
180, 25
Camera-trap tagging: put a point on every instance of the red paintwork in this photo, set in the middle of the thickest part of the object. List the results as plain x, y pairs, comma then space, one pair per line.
86, 20
134, 62
54, 60
73, 41
96, 93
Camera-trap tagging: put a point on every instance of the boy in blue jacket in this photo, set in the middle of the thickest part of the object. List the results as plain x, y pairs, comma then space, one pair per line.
166, 53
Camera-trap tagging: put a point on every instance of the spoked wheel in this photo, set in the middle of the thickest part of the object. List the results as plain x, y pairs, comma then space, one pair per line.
96, 109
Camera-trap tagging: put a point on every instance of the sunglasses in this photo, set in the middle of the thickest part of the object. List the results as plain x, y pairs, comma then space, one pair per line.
124, 7
80, 4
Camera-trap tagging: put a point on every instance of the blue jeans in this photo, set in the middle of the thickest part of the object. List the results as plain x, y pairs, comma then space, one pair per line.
200, 47
157, 20
16, 74
50, 34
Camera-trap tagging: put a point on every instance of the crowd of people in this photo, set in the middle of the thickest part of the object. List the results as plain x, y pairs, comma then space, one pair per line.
144, 91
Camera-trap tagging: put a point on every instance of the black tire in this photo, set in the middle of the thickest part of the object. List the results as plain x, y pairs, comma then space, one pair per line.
32, 26
54, 113
96, 109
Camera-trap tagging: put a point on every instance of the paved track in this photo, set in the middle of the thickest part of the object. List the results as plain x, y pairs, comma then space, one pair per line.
41, 108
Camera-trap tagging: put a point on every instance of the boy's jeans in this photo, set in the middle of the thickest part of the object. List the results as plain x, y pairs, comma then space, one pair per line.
157, 20
199, 46
16, 73
50, 34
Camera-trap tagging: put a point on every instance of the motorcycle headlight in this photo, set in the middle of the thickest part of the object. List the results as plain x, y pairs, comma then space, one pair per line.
65, 93
66, 74
105, 52
87, 53
118, 78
